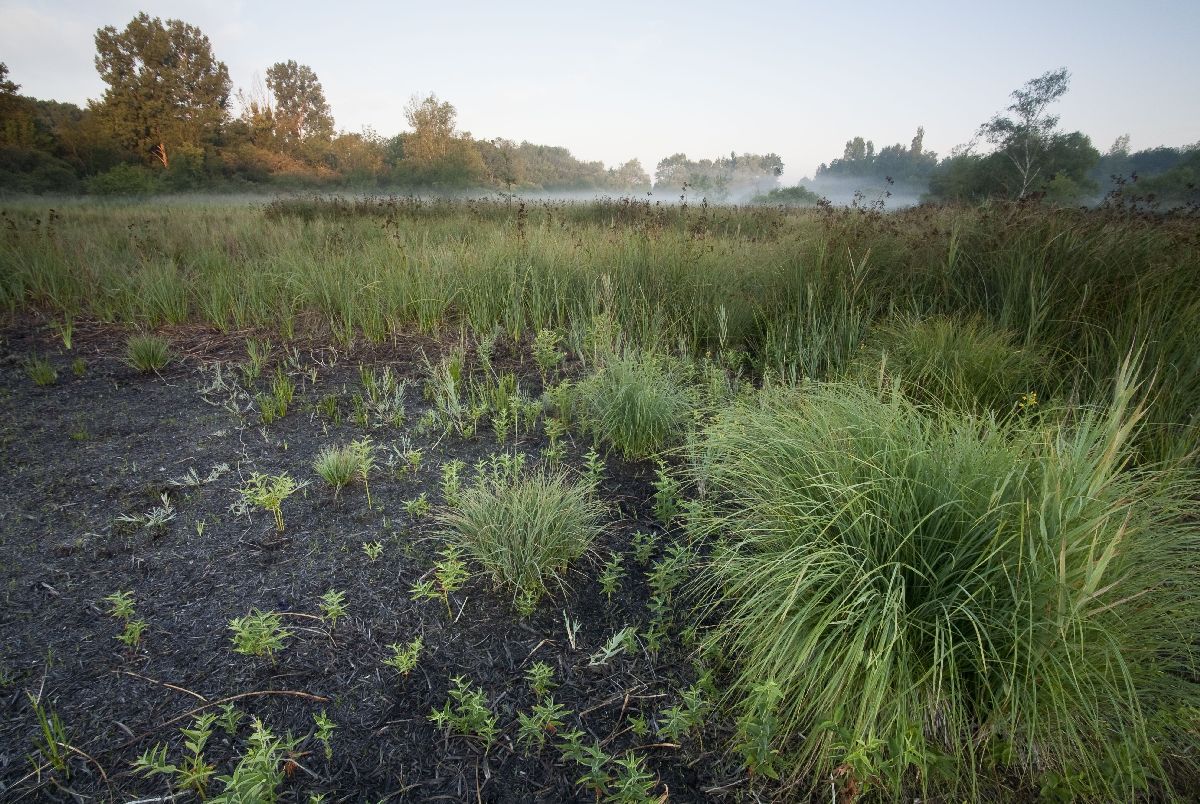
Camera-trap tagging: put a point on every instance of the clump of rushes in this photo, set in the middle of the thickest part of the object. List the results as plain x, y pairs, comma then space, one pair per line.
525, 529
40, 371
147, 352
337, 466
637, 402
1026, 583
268, 492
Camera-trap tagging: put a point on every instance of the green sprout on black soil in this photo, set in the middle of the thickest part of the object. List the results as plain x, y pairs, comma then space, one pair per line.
757, 729
275, 405
466, 713
449, 575
268, 492
404, 657
639, 725
131, 636
451, 482
65, 330
333, 607
623, 641
154, 519
257, 354
40, 371
337, 466
675, 722
324, 733
259, 633
147, 352
120, 605
632, 783
666, 495
373, 549
229, 719
79, 367
643, 546
418, 506
540, 677
611, 575
259, 771
546, 353
544, 721
52, 743
593, 466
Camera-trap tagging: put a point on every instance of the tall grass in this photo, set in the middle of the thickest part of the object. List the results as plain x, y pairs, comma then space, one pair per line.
796, 291
953, 603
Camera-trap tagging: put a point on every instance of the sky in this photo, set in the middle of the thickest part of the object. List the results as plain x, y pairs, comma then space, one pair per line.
619, 80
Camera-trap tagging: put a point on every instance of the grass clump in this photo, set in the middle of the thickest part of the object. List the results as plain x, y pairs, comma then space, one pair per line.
147, 352
41, 371
637, 402
967, 364
916, 598
525, 528
337, 466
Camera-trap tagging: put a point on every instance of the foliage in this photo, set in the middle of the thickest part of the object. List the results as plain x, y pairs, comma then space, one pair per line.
268, 492
969, 365
259, 633
404, 657
1024, 586
41, 371
524, 528
636, 402
466, 713
147, 352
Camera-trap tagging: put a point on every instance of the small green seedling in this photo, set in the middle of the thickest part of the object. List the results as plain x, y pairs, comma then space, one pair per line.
120, 605
259, 633
324, 732
373, 549
40, 371
544, 721
466, 713
268, 492
611, 575
449, 575
418, 507
404, 657
131, 637
333, 607
540, 677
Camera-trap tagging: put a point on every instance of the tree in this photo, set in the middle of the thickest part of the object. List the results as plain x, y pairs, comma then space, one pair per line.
1024, 134
166, 90
301, 114
433, 128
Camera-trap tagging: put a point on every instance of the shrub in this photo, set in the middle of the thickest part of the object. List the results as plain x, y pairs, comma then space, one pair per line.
967, 364
147, 352
939, 597
123, 180
525, 529
636, 402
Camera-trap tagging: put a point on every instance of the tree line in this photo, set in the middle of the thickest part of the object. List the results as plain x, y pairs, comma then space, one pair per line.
169, 120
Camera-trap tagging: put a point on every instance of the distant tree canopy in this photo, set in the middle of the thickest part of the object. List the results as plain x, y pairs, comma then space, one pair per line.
906, 165
167, 121
720, 179
166, 90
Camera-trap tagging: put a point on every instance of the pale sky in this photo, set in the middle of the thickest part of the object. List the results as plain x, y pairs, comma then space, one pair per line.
618, 80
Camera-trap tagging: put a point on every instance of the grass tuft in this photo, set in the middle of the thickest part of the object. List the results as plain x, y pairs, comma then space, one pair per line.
950, 602
147, 352
636, 402
525, 529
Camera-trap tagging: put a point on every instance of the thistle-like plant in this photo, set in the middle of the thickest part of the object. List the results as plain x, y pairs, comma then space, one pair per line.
404, 657
259, 633
268, 492
373, 549
333, 607
466, 713
540, 677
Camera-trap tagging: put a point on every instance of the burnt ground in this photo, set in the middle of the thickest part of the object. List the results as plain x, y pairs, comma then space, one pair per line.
78, 454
